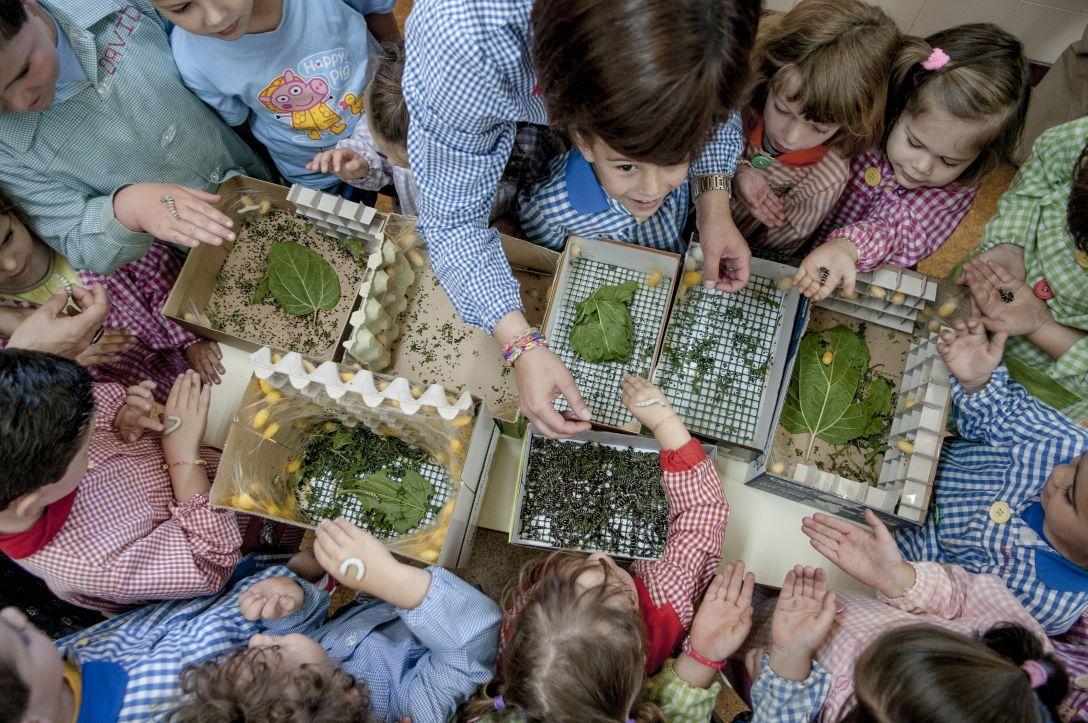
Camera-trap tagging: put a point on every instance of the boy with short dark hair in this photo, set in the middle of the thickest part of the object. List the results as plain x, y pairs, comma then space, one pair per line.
108, 524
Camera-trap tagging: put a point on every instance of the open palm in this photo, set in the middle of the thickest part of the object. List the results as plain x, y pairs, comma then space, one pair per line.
725, 616
867, 554
804, 613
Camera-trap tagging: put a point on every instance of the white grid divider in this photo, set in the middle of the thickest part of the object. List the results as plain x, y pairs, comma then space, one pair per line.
338, 216
890, 296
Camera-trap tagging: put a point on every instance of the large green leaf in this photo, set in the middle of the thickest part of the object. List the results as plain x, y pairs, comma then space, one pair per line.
603, 330
301, 280
822, 399
402, 504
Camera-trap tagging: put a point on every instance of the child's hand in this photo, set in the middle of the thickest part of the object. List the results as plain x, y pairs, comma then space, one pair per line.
138, 414
108, 349
1010, 256
724, 617
991, 284
188, 401
271, 599
358, 560
870, 556
825, 268
757, 195
969, 354
344, 163
203, 356
648, 405
193, 221
802, 620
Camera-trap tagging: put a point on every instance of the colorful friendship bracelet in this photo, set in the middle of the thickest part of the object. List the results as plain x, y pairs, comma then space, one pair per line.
198, 462
700, 658
531, 338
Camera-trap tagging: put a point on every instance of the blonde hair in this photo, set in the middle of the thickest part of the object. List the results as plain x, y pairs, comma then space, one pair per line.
834, 59
573, 654
985, 81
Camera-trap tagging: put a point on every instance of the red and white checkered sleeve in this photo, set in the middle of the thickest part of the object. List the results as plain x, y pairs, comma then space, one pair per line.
153, 276
698, 512
937, 589
109, 397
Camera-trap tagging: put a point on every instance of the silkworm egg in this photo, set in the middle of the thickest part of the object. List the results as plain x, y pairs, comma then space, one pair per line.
692, 277
293, 466
899, 297
270, 430
273, 396
877, 292
653, 279
827, 358
904, 446
946, 308
261, 418
785, 283
778, 467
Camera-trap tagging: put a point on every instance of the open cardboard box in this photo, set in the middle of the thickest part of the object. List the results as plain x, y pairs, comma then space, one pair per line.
252, 472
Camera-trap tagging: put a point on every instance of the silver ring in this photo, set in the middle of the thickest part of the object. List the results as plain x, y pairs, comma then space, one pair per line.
175, 425
98, 335
649, 402
359, 565
171, 206
1006, 296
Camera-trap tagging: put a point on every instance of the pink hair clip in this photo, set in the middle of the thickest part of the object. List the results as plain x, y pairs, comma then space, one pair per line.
1037, 673
936, 60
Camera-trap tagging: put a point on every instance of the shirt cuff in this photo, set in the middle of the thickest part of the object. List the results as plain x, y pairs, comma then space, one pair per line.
906, 599
120, 234
683, 458
984, 398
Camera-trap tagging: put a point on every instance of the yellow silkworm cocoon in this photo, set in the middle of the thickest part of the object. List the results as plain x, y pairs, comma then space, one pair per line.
329, 426
246, 201
911, 402
693, 277
309, 367
877, 292
380, 338
778, 467
266, 388
934, 325
394, 404
904, 446
851, 295
273, 396
827, 358
575, 251
785, 283
429, 556
461, 420
386, 431
243, 502
261, 418
946, 308
456, 446
899, 297
190, 316
276, 358
683, 291
270, 430
265, 207
415, 258
417, 392
653, 279
293, 466
382, 386
390, 271
346, 377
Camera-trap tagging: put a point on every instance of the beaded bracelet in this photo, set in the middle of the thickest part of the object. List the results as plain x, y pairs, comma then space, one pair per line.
198, 462
700, 658
531, 338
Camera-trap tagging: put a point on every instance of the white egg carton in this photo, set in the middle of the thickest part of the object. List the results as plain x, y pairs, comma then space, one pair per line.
890, 296
383, 297
338, 216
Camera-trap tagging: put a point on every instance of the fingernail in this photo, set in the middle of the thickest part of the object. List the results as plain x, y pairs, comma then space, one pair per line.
708, 284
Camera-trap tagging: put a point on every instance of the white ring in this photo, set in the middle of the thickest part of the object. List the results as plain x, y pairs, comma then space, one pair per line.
355, 562
649, 402
175, 425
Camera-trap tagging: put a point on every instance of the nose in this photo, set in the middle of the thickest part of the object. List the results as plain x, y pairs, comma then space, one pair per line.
653, 184
214, 15
793, 136
923, 164
8, 263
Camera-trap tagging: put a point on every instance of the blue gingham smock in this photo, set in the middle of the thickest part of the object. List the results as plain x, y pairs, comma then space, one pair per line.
468, 81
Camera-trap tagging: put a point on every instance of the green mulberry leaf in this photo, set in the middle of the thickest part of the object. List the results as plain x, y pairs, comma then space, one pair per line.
301, 280
603, 330
403, 504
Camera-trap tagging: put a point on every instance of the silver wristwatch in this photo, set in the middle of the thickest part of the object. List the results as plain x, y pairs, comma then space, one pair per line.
711, 182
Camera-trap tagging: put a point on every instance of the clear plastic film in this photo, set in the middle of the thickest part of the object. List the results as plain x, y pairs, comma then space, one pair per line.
310, 443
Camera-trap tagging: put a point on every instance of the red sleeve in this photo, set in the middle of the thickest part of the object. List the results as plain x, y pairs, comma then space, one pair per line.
683, 458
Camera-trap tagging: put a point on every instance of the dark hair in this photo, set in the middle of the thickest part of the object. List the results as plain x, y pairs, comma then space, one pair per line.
12, 17
833, 58
388, 113
252, 685
574, 655
7, 205
46, 405
986, 78
650, 78
14, 693
1076, 214
926, 673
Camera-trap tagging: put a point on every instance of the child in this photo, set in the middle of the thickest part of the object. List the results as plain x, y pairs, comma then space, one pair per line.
581, 634
103, 147
1039, 238
264, 650
821, 78
106, 524
909, 673
153, 348
955, 110
293, 70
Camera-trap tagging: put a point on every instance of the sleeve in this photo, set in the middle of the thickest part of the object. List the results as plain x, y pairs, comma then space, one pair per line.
81, 227
780, 700
1003, 413
378, 174
109, 397
905, 233
188, 57
154, 274
698, 512
371, 7
939, 590
810, 202
460, 627
458, 143
538, 225
721, 153
679, 701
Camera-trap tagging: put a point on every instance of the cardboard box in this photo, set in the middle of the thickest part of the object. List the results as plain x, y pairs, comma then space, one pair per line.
426, 417
921, 401
610, 439
585, 265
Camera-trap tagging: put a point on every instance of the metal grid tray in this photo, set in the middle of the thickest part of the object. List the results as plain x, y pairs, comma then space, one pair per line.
600, 383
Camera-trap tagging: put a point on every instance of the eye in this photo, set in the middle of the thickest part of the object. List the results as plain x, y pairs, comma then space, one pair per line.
295, 91
913, 143
7, 238
950, 164
781, 110
819, 131
625, 167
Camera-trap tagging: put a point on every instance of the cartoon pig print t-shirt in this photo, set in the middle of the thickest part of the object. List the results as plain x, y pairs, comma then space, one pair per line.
300, 87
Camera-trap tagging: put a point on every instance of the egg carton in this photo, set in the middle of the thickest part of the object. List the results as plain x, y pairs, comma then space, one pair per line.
890, 296
383, 297
339, 217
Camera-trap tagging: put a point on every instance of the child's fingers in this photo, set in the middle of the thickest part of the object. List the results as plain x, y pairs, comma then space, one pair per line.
734, 581
354, 535
204, 401
153, 425
788, 585
753, 662
175, 392
714, 589
746, 590
877, 525
828, 551
808, 582
1003, 275
819, 581
828, 608
998, 342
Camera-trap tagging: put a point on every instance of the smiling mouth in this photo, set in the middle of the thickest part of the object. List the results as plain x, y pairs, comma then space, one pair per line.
229, 30
646, 204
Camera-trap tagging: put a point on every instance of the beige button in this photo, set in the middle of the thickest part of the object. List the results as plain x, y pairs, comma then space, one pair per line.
1081, 681
1000, 512
872, 176
1082, 259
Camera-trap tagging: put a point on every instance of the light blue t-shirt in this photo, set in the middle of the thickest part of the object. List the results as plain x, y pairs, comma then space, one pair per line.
300, 86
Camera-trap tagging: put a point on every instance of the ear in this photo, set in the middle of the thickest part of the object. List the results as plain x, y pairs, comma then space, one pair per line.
288, 76
28, 505
584, 148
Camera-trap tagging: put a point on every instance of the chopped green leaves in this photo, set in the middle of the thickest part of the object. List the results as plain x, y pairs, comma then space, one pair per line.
603, 330
301, 280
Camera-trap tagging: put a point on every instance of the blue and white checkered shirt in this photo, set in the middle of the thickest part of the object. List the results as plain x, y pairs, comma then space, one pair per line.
1010, 443
780, 700
572, 201
421, 663
468, 81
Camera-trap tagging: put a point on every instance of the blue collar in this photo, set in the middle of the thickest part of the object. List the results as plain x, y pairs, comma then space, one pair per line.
104, 686
585, 192
70, 71
1051, 568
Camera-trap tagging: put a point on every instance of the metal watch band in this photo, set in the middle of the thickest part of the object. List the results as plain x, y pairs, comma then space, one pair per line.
711, 182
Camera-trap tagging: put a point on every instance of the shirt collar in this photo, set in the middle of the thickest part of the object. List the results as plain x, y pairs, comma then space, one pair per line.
585, 192
104, 687
1051, 567
70, 74
24, 544
797, 159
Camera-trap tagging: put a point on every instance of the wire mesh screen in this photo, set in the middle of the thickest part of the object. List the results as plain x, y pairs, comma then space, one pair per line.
600, 383
322, 499
717, 351
592, 497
